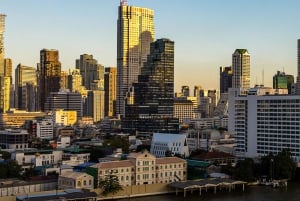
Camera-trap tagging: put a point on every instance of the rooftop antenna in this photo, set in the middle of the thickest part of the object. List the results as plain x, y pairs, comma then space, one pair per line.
263, 76
123, 2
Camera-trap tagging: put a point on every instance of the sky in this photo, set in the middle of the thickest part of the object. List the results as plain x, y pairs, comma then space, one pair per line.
205, 32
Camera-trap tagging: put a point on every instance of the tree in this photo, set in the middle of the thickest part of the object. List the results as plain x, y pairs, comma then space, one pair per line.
244, 170
284, 165
110, 184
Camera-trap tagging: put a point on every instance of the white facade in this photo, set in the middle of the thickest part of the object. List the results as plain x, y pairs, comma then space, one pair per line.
38, 158
265, 123
163, 142
63, 142
44, 129
14, 139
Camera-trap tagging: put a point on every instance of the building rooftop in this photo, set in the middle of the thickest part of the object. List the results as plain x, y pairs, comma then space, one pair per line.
167, 160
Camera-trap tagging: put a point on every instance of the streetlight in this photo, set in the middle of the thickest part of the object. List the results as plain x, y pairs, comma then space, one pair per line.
272, 169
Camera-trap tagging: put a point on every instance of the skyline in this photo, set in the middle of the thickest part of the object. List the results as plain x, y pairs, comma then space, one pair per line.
205, 34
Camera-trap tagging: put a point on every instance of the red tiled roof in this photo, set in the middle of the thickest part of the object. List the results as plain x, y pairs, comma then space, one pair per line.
167, 160
212, 155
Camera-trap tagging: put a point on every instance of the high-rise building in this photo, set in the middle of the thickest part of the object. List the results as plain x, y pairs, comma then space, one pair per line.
225, 78
91, 71
110, 88
64, 80
135, 33
25, 88
2, 29
49, 74
151, 104
185, 90
5, 75
283, 81
264, 123
64, 100
298, 68
95, 105
241, 69
75, 80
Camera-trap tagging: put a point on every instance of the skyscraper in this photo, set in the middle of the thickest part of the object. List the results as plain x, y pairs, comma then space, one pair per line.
5, 81
152, 107
92, 72
25, 88
49, 74
185, 90
241, 69
135, 33
225, 78
110, 88
298, 68
283, 81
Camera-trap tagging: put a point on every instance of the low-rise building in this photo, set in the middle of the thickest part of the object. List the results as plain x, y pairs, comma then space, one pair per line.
75, 180
143, 168
14, 139
173, 143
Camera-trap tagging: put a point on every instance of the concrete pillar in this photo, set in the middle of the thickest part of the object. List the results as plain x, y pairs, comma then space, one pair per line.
176, 191
215, 190
184, 193
199, 190
243, 187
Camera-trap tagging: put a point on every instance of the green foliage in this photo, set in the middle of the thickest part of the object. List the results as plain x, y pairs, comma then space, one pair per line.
110, 184
143, 147
118, 142
244, 170
5, 155
10, 169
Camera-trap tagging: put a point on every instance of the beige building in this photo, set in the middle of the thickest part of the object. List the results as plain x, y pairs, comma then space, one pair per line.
75, 180
135, 33
144, 168
65, 118
110, 88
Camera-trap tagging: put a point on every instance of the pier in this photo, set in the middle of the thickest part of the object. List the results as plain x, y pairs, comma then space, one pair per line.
206, 184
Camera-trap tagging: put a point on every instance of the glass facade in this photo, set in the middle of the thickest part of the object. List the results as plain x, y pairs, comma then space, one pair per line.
151, 104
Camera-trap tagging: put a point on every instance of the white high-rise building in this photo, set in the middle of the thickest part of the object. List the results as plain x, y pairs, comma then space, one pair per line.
135, 33
298, 69
264, 123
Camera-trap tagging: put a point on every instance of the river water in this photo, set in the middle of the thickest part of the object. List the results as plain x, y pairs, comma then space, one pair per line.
252, 193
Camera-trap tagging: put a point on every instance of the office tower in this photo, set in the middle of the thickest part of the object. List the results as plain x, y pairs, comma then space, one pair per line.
64, 100
264, 123
90, 71
225, 78
135, 33
8, 68
241, 69
10, 90
283, 81
184, 110
185, 90
151, 103
25, 88
49, 74
110, 88
5, 81
95, 105
2, 29
298, 68
197, 91
74, 80
64, 80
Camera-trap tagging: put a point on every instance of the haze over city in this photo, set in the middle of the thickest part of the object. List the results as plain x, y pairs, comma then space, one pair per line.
206, 33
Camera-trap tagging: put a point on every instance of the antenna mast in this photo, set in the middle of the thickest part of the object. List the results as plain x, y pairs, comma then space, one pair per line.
123, 2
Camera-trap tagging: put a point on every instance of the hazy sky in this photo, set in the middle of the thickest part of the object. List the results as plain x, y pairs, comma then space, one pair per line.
206, 33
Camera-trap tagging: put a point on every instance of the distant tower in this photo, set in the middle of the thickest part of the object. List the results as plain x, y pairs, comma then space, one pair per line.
110, 88
49, 74
91, 71
283, 81
298, 68
25, 88
225, 79
185, 90
135, 33
152, 107
241, 69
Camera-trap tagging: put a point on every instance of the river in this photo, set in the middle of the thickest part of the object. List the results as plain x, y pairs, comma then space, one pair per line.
252, 193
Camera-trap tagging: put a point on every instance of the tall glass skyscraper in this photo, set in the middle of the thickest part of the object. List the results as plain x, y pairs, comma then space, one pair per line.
135, 33
151, 107
2, 29
49, 74
241, 68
